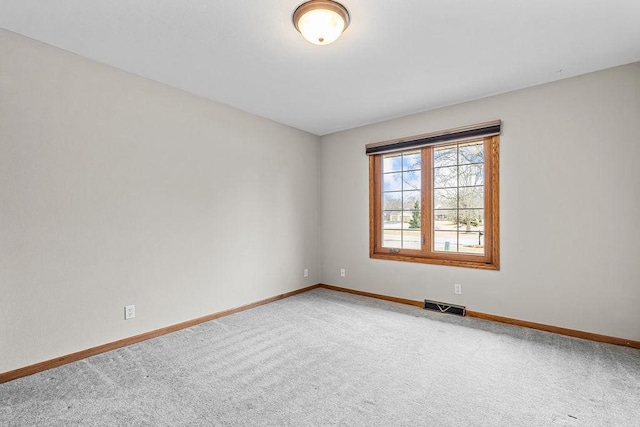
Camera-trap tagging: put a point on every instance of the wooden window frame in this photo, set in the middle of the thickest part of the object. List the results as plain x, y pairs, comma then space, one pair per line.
489, 261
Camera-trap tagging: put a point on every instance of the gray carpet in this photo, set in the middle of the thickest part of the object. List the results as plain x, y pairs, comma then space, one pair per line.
329, 358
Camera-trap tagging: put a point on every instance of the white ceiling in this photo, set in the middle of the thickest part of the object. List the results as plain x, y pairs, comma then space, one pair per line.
396, 58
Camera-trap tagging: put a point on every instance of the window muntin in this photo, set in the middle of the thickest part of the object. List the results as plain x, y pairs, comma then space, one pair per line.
437, 204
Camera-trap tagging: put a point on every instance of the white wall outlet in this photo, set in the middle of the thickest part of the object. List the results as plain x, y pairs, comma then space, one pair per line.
129, 312
343, 272
457, 289
306, 272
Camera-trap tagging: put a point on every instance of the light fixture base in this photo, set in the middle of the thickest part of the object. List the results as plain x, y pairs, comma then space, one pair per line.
321, 21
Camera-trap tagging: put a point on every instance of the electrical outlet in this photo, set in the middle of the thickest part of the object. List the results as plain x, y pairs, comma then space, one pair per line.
129, 312
457, 289
343, 272
306, 272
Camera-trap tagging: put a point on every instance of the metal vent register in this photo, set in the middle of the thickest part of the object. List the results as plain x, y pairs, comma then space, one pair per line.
443, 307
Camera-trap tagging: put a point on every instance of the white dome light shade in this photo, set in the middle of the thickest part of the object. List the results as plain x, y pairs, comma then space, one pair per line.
321, 22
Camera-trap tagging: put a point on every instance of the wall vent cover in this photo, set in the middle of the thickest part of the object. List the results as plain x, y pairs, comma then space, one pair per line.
443, 307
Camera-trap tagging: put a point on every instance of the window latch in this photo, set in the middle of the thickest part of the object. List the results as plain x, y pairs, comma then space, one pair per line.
423, 240
394, 250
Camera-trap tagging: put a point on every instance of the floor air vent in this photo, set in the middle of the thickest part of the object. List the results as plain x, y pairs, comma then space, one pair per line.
443, 307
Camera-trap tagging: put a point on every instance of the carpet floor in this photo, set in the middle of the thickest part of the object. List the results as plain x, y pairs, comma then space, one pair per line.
330, 358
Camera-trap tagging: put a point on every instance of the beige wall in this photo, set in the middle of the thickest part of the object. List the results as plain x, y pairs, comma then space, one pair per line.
117, 190
570, 204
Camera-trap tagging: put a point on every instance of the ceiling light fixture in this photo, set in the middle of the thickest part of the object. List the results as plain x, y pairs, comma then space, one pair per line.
321, 21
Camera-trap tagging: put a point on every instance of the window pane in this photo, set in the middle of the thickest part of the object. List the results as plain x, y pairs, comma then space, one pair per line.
401, 200
446, 156
458, 199
445, 177
411, 200
471, 231
445, 230
391, 239
445, 198
445, 219
411, 239
471, 220
471, 197
471, 175
414, 218
472, 243
471, 153
445, 241
392, 181
412, 161
391, 163
392, 220
392, 201
411, 180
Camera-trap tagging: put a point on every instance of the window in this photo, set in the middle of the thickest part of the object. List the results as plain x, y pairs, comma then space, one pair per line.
434, 198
